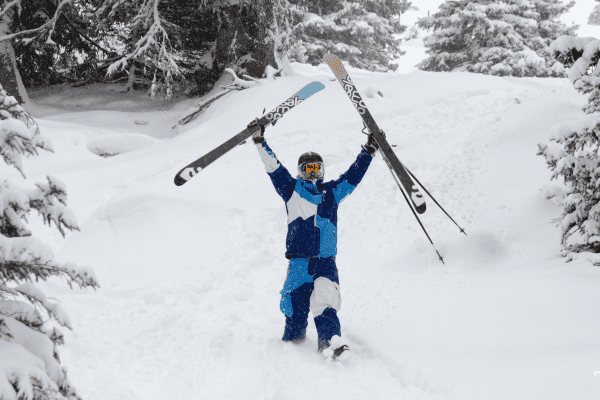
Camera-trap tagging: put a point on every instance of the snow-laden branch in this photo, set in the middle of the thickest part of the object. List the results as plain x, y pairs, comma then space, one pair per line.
241, 84
582, 65
49, 25
48, 198
27, 270
156, 39
582, 56
19, 134
576, 160
236, 84
15, 140
8, 6
55, 18
37, 296
29, 364
21, 311
23, 375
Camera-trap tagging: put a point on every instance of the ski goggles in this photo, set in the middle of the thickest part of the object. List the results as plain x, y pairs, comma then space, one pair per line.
315, 167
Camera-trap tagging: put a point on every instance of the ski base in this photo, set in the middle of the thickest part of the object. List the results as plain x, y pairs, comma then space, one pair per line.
192, 169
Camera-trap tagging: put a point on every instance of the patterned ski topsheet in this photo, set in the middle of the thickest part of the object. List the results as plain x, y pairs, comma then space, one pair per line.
193, 168
388, 154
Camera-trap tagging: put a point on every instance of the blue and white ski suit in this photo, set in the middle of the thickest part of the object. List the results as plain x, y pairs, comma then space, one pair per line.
312, 281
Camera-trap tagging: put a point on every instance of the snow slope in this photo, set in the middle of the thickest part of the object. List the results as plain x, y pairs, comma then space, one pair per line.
189, 305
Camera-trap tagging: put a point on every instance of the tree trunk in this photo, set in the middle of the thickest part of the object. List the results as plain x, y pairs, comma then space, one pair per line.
9, 73
131, 78
247, 41
244, 32
264, 46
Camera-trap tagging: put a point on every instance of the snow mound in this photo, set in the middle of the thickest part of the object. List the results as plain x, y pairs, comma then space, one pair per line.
373, 91
554, 193
111, 145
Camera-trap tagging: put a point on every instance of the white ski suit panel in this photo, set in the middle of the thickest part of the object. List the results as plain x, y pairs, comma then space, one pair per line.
326, 294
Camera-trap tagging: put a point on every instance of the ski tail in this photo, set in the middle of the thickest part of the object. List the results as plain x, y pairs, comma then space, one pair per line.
192, 169
462, 230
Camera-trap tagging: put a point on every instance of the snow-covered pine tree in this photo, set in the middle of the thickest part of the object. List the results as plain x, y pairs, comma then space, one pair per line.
30, 367
575, 157
594, 18
495, 37
248, 37
187, 44
167, 45
414, 32
362, 32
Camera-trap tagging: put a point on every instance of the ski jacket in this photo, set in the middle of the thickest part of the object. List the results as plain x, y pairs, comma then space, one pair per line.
312, 206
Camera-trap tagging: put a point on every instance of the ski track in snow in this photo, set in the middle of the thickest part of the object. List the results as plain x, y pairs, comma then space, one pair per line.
189, 304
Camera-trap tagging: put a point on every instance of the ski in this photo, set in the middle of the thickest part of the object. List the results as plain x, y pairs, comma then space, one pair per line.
189, 171
385, 149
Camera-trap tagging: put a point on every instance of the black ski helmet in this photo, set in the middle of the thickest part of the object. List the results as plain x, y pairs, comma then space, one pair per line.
310, 157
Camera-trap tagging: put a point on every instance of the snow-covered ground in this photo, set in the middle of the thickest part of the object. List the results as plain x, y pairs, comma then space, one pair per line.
415, 52
189, 304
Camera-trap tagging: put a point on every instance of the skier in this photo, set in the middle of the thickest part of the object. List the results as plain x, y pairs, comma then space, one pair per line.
312, 279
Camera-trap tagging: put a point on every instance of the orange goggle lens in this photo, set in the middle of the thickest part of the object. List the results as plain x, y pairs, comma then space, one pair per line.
312, 167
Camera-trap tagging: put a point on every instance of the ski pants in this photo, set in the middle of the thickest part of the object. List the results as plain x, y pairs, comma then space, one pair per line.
312, 284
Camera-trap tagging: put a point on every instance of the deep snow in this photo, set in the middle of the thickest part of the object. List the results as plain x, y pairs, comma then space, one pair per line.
189, 304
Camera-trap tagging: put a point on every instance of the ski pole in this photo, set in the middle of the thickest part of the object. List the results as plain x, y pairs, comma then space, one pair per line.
413, 211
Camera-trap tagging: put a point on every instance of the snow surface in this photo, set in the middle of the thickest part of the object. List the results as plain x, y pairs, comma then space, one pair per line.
189, 305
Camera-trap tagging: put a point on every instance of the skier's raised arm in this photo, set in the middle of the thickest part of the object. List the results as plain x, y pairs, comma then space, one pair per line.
282, 180
348, 181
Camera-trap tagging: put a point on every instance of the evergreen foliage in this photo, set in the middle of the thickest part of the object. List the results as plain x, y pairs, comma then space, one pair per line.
362, 32
183, 46
165, 45
594, 18
509, 37
575, 157
50, 39
29, 363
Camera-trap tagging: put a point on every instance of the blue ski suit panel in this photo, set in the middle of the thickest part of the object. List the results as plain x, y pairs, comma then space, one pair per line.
312, 206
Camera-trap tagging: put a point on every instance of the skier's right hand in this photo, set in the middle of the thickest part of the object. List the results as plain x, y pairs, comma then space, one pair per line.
371, 145
259, 136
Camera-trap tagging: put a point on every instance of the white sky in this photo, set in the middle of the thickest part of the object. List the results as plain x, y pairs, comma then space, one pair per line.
578, 14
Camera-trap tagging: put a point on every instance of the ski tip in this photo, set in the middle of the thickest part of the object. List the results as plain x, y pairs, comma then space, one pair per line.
316, 86
329, 56
421, 209
310, 89
334, 63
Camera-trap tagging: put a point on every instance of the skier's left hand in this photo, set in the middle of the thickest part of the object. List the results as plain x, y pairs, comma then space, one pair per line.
259, 136
371, 145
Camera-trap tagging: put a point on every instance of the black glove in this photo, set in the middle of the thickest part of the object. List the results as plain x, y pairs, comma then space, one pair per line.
259, 136
371, 145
